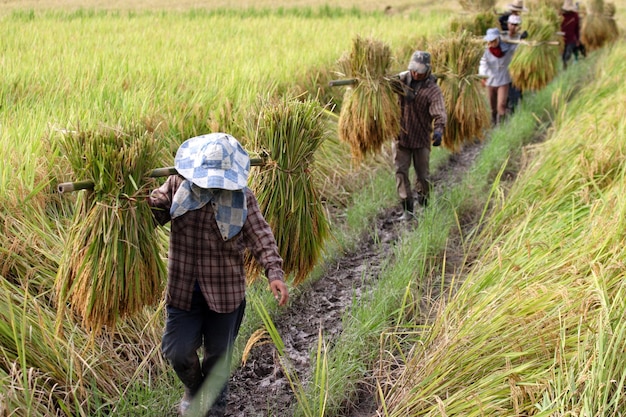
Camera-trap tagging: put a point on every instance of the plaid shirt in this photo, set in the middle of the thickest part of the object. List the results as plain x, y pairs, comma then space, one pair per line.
197, 252
422, 107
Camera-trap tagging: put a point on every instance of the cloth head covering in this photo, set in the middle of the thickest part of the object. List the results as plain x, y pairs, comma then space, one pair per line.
492, 34
215, 168
420, 62
568, 6
515, 19
215, 160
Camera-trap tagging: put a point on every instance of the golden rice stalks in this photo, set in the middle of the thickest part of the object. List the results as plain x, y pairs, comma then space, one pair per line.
596, 6
534, 65
455, 59
598, 30
370, 113
111, 265
476, 24
290, 131
477, 5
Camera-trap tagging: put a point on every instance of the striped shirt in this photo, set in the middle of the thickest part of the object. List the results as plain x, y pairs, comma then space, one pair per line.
423, 110
197, 252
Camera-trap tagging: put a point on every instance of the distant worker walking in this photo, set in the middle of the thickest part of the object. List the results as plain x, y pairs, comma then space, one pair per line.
570, 27
513, 35
494, 65
514, 9
422, 123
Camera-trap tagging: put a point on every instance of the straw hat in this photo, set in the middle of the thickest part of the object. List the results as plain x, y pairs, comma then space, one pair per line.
518, 6
568, 6
215, 160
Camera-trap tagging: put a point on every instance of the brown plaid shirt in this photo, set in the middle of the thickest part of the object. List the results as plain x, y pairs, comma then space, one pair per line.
197, 252
422, 109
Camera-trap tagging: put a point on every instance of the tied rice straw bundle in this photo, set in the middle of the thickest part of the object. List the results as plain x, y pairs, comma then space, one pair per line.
597, 28
370, 114
477, 5
476, 24
535, 64
455, 60
111, 265
609, 15
290, 131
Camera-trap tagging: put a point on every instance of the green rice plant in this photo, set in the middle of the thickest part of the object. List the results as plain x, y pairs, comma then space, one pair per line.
320, 373
111, 265
46, 372
289, 132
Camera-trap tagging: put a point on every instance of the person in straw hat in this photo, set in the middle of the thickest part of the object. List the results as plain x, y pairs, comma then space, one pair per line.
214, 216
513, 35
570, 27
494, 66
513, 9
422, 122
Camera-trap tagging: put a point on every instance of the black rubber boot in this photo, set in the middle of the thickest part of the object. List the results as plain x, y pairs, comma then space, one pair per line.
407, 209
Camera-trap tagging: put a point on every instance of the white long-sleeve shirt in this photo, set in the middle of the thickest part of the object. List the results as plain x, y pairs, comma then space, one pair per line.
497, 69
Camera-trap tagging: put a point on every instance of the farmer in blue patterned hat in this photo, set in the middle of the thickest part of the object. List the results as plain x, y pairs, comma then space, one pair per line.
214, 216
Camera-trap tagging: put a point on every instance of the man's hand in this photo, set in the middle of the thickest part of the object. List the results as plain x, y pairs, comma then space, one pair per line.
281, 294
437, 138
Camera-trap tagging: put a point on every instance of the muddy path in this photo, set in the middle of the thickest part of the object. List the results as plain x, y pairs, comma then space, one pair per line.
260, 388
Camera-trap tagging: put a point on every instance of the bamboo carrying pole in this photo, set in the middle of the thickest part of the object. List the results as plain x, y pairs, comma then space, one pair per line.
68, 187
354, 81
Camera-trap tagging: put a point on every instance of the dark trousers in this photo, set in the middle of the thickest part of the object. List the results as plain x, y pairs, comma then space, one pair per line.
188, 331
420, 158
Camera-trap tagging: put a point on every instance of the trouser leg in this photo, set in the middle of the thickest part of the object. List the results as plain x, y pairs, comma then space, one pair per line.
502, 98
421, 162
492, 94
402, 163
181, 339
183, 336
220, 331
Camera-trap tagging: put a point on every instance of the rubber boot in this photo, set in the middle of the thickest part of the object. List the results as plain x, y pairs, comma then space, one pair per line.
422, 200
407, 209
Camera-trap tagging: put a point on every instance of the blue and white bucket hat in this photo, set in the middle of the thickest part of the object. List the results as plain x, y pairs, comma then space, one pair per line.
214, 160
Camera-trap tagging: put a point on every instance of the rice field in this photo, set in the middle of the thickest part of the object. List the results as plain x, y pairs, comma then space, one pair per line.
172, 70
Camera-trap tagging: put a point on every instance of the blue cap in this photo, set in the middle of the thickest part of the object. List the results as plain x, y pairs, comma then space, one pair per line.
492, 34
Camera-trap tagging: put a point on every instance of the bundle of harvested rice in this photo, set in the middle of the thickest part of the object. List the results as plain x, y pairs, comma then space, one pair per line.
609, 15
536, 61
111, 265
475, 23
597, 30
477, 5
455, 60
370, 114
289, 131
